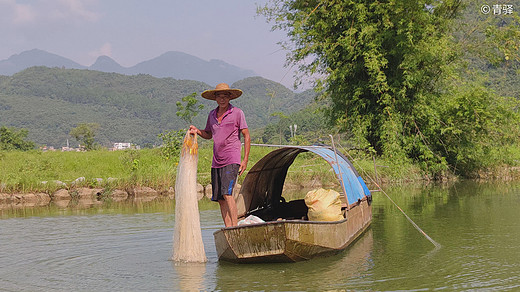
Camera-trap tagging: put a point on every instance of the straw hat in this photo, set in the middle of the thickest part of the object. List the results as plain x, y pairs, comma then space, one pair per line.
222, 87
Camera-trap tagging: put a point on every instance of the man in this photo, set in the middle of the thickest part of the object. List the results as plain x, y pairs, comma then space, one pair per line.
224, 125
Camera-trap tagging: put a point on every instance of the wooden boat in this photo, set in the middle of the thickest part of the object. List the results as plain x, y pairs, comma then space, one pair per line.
287, 235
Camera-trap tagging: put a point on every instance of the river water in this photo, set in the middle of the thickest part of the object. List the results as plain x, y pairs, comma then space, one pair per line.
126, 247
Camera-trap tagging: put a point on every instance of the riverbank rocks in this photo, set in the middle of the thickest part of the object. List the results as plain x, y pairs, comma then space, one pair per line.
119, 195
55, 182
60, 195
208, 191
86, 193
142, 193
5, 198
200, 191
40, 199
84, 196
28, 199
171, 193
79, 180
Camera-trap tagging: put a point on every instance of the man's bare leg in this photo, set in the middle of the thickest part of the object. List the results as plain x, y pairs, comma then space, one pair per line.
233, 212
229, 211
224, 210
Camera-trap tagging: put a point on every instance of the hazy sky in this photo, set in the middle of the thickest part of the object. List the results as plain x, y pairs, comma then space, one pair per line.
132, 31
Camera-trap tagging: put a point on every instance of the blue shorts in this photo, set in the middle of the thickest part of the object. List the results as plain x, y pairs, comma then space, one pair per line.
223, 181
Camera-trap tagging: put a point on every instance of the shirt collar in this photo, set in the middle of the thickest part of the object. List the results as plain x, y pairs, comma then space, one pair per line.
229, 110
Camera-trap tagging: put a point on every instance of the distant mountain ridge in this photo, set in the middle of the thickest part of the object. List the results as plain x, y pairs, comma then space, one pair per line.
107, 64
26, 59
173, 64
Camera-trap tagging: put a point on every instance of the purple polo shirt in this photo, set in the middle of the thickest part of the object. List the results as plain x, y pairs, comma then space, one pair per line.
226, 136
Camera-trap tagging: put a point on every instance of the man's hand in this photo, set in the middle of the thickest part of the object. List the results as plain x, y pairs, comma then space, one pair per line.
247, 147
243, 167
193, 130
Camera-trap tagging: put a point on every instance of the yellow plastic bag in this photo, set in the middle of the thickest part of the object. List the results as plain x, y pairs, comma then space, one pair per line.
324, 205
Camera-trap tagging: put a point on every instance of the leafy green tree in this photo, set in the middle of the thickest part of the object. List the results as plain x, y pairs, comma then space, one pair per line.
85, 134
172, 140
390, 73
379, 59
12, 139
190, 109
311, 127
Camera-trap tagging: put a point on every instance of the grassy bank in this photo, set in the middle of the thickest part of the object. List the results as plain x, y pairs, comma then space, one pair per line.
45, 171
27, 171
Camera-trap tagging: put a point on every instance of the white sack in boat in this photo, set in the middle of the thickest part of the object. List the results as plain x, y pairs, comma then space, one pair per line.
187, 236
251, 219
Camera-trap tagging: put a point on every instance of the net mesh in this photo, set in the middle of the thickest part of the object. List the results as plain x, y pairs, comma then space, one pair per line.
187, 235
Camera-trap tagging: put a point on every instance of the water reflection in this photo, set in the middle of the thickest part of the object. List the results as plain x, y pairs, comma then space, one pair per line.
476, 224
190, 276
319, 274
88, 207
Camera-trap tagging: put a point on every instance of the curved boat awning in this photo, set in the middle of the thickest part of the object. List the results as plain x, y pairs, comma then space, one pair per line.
264, 182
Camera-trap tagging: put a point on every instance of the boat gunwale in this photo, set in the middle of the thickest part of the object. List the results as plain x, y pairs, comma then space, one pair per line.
285, 221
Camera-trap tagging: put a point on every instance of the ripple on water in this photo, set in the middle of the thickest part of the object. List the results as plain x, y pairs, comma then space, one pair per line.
94, 251
85, 251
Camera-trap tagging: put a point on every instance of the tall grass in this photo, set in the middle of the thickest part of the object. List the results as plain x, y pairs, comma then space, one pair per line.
43, 171
25, 171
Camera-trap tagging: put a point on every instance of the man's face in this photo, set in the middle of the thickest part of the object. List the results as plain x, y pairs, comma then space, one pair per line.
223, 98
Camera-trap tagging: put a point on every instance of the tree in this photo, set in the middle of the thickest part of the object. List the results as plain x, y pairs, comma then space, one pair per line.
190, 109
389, 72
172, 140
84, 133
12, 139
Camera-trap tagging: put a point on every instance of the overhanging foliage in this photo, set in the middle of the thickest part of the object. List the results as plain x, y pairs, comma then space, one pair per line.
392, 73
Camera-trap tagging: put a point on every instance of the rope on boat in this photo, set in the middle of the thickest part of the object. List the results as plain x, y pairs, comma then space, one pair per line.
436, 244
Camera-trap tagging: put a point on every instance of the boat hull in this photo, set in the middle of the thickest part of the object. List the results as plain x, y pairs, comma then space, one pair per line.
291, 240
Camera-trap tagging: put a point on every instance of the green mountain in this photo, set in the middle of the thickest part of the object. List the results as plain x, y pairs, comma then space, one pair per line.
49, 102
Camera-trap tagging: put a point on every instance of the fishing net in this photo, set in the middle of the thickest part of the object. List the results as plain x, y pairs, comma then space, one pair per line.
187, 235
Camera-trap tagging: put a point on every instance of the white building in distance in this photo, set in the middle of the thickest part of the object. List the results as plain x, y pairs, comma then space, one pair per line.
124, 146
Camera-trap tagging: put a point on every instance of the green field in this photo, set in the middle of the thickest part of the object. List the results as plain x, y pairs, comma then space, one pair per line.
25, 171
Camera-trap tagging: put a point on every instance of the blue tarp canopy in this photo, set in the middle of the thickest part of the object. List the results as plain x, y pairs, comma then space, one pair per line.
264, 182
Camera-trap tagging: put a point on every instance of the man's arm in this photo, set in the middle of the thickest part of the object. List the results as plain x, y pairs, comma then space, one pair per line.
202, 133
247, 147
